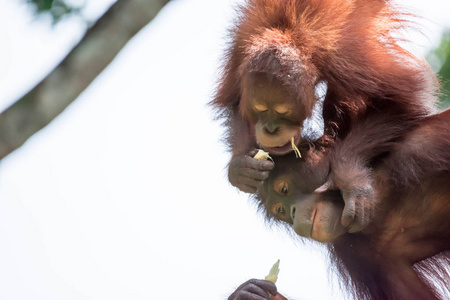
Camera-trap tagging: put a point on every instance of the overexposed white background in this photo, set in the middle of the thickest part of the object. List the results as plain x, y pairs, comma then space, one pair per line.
125, 195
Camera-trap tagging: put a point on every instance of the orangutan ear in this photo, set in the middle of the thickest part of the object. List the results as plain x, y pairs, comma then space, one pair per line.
313, 127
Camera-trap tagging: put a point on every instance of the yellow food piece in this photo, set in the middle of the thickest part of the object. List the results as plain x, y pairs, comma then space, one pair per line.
297, 152
273, 274
261, 154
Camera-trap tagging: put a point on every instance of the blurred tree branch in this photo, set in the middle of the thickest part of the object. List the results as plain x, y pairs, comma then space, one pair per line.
101, 43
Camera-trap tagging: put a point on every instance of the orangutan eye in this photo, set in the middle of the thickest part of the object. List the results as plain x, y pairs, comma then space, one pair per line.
279, 210
260, 107
281, 187
283, 109
284, 189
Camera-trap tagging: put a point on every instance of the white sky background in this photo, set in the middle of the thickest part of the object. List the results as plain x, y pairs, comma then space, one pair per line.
125, 196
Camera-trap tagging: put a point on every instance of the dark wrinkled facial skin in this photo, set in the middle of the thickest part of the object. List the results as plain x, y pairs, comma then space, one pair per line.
275, 116
318, 216
289, 196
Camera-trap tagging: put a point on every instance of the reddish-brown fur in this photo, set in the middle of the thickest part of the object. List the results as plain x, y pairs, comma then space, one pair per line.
347, 43
405, 252
408, 246
350, 45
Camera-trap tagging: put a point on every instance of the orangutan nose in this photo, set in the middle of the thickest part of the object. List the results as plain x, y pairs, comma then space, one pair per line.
293, 212
271, 128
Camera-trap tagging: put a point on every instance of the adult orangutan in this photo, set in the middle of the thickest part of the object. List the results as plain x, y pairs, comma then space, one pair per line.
285, 56
405, 253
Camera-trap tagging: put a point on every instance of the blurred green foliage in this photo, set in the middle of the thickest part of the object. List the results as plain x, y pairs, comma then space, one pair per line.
439, 60
56, 8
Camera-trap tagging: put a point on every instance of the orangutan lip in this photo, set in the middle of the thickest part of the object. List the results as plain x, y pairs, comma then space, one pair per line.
313, 218
282, 149
284, 145
350, 225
